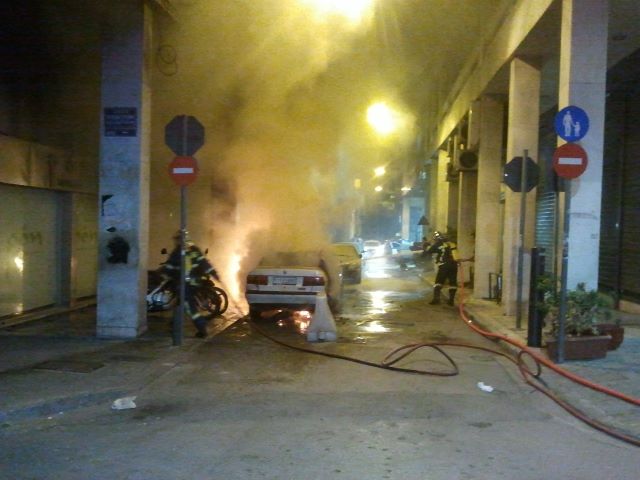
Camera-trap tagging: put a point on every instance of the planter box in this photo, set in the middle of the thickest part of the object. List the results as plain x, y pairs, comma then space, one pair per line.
580, 348
615, 332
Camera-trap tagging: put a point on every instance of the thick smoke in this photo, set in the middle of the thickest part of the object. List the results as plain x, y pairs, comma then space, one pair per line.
282, 94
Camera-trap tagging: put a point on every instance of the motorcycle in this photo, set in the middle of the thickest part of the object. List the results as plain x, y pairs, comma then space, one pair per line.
162, 294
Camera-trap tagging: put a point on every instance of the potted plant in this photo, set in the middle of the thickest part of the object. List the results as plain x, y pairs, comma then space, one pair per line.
614, 330
585, 310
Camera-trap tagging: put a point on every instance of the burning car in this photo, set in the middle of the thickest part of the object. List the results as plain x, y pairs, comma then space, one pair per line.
292, 280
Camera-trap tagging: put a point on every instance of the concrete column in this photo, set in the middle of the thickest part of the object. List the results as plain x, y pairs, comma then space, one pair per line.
583, 73
468, 186
452, 214
488, 219
454, 189
124, 172
442, 195
524, 113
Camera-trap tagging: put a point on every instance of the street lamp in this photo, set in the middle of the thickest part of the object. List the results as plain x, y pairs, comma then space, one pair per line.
353, 10
382, 118
380, 171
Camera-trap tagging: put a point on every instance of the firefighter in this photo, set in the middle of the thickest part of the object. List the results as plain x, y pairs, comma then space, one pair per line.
197, 267
447, 261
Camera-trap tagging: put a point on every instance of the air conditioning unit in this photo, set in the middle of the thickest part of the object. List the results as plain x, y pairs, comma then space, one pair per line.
466, 160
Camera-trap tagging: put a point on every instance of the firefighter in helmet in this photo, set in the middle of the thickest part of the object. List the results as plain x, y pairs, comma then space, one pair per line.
447, 259
197, 267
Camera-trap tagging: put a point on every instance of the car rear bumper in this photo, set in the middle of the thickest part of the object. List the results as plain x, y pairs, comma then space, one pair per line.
269, 299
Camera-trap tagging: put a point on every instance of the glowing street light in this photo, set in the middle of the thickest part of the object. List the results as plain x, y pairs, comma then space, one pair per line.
378, 188
382, 118
380, 171
353, 10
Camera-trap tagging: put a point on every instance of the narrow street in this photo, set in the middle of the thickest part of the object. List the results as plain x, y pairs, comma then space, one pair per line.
239, 406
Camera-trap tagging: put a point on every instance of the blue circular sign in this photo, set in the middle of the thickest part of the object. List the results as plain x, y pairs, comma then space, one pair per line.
572, 123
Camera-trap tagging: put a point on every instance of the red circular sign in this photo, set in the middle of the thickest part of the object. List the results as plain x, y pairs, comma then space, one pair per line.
570, 160
183, 170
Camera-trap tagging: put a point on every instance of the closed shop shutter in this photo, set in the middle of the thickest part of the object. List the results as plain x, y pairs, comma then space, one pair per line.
630, 252
546, 227
609, 266
29, 256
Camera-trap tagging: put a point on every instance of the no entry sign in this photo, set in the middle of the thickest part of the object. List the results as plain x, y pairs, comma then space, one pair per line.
183, 170
570, 160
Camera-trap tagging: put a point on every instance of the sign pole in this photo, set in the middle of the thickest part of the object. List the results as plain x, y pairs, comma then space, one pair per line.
562, 310
523, 212
184, 135
178, 329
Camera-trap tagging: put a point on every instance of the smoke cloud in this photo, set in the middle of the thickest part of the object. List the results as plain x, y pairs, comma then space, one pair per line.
282, 94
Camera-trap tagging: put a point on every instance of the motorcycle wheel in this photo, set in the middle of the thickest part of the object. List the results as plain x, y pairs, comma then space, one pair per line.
213, 299
223, 299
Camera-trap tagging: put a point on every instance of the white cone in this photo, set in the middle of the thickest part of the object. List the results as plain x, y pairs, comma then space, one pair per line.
322, 325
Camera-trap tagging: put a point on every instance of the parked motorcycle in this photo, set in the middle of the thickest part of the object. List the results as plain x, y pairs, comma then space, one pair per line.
163, 293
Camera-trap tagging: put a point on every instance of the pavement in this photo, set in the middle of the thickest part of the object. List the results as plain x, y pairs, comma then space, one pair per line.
35, 356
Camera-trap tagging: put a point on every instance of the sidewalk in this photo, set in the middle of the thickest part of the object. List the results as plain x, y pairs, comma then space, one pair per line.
65, 345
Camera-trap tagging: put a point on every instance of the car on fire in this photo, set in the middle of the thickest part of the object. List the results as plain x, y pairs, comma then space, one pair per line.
293, 280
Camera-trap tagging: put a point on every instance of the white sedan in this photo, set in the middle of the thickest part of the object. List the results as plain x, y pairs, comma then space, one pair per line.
293, 280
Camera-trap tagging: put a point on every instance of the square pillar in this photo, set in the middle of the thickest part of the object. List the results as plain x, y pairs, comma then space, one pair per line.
442, 195
488, 247
124, 172
583, 75
467, 194
523, 126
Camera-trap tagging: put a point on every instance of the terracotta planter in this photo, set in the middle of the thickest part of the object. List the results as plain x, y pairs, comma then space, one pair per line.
614, 331
580, 348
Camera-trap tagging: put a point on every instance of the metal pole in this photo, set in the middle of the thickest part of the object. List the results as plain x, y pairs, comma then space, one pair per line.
534, 330
178, 319
562, 310
523, 211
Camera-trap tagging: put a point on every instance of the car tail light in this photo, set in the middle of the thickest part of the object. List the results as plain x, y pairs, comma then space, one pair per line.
258, 279
313, 281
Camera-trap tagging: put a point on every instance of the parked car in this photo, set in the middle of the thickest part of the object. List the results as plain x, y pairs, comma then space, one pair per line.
350, 260
392, 247
373, 248
293, 280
